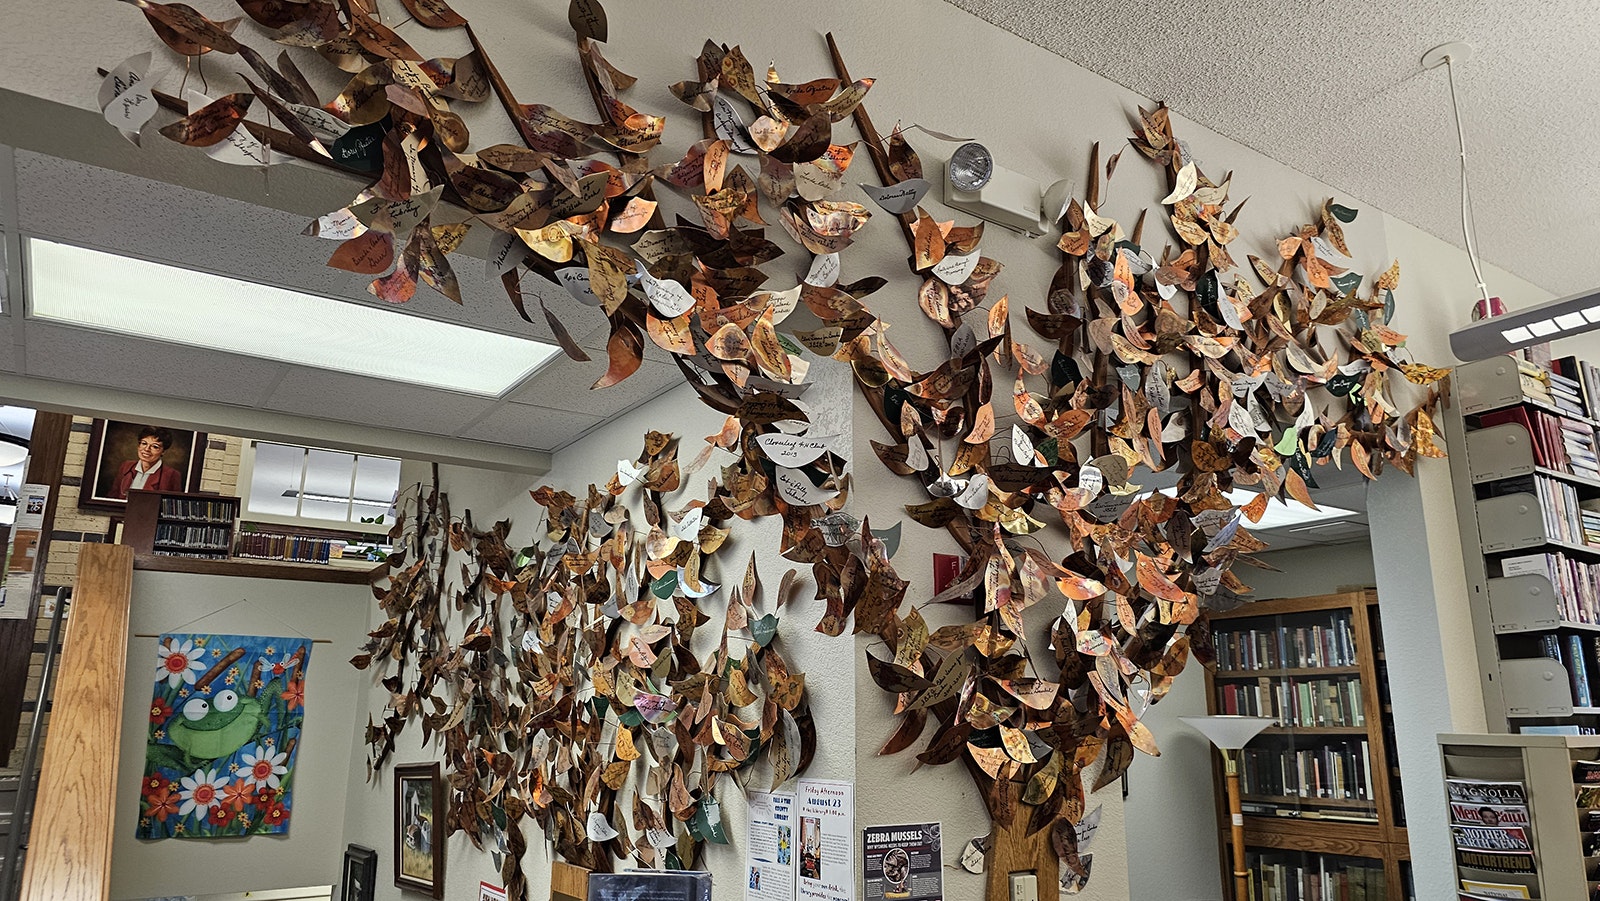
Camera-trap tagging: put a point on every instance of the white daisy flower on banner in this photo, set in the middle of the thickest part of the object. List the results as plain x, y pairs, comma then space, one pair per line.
201, 792
178, 663
265, 767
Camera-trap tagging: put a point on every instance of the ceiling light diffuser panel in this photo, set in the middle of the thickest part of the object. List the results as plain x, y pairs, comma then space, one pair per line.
109, 293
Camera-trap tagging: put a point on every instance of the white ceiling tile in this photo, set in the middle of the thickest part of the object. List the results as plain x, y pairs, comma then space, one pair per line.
564, 384
369, 401
539, 428
144, 366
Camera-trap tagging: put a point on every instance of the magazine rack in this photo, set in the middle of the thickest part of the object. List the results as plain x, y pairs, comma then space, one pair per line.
1543, 764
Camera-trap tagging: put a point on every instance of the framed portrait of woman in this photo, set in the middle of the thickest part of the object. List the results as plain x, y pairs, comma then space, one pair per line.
124, 456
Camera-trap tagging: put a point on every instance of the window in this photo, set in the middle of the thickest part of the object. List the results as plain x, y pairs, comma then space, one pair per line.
323, 487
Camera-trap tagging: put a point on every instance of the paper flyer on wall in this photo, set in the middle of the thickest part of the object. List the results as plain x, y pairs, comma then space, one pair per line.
827, 840
770, 846
1486, 791
31, 501
902, 863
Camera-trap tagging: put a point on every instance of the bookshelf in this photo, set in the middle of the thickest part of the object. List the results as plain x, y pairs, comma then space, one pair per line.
180, 524
1539, 833
1527, 486
1321, 795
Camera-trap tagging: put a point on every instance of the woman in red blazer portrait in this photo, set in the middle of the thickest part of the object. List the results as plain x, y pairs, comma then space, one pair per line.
148, 471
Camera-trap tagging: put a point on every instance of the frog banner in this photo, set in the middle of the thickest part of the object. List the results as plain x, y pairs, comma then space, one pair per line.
225, 722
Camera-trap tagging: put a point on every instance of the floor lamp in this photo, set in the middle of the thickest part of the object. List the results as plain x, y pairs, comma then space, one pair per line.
1229, 734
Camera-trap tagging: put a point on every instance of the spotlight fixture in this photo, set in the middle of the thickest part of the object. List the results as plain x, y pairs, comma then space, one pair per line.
970, 167
974, 184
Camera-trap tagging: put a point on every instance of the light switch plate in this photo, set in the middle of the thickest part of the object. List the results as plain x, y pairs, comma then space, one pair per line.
1024, 887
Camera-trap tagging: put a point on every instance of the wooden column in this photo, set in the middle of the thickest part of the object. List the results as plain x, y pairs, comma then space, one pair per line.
69, 849
47, 451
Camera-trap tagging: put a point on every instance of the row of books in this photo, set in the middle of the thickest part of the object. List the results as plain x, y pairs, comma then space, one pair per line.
193, 538
194, 509
1327, 643
1573, 385
1340, 770
1560, 385
1294, 876
1580, 655
1576, 582
1559, 442
1565, 518
1296, 702
294, 548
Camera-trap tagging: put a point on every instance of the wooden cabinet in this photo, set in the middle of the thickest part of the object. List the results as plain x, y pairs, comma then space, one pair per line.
1320, 791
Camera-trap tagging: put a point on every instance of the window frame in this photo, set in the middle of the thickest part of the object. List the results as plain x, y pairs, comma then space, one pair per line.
247, 467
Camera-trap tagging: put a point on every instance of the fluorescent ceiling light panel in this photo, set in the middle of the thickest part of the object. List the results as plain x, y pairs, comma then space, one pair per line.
1517, 335
111, 293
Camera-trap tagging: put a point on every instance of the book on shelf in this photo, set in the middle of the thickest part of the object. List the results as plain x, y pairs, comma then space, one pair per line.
1577, 670
1323, 644
1576, 582
1558, 442
1296, 703
1338, 770
1292, 876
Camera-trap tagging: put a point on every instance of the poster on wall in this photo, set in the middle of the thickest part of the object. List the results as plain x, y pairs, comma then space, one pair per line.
224, 728
769, 850
827, 813
902, 863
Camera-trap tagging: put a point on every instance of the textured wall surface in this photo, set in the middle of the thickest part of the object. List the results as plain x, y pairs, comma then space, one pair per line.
310, 853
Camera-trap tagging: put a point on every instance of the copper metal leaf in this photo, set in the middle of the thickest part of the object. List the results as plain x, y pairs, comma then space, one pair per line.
625, 349
211, 123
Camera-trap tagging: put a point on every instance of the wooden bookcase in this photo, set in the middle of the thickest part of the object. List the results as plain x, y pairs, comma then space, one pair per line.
1557, 826
1517, 614
1356, 834
181, 524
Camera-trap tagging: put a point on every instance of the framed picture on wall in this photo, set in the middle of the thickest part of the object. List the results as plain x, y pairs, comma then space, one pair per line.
360, 874
419, 831
127, 455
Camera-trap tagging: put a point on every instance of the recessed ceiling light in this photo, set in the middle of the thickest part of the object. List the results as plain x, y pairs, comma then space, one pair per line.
110, 293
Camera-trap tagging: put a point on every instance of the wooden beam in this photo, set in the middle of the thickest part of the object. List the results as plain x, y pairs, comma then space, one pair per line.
69, 848
47, 452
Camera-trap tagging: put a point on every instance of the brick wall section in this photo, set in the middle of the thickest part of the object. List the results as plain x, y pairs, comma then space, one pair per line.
74, 526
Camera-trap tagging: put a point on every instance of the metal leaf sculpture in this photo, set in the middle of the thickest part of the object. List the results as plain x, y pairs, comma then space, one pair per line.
576, 667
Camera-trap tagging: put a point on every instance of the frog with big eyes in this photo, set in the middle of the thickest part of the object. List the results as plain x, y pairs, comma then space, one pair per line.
210, 730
